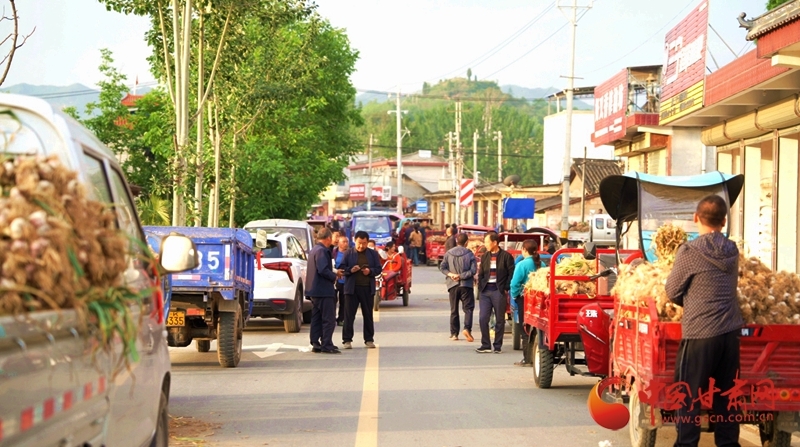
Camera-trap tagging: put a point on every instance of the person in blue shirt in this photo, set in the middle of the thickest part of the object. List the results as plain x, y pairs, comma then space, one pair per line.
529, 264
342, 244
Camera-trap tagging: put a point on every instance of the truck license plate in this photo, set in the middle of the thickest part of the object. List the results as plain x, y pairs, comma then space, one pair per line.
176, 319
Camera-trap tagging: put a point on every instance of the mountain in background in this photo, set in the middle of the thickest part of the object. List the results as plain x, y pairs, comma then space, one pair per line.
75, 95
527, 93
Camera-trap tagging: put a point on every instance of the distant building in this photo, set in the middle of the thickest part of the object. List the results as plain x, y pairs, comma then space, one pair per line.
555, 133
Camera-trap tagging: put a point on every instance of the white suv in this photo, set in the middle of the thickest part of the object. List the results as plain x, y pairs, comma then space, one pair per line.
278, 290
298, 228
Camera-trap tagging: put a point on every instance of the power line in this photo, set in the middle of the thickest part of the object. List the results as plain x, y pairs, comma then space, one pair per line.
80, 92
646, 40
484, 57
453, 98
527, 52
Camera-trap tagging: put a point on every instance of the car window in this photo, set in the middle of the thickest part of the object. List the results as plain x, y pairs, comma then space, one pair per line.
373, 224
611, 224
291, 248
126, 212
300, 233
272, 250
301, 254
97, 179
598, 223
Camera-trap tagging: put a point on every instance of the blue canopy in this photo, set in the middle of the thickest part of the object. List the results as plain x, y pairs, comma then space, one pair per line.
620, 193
519, 208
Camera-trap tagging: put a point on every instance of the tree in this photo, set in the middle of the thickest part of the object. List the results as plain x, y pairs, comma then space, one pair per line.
14, 37
772, 4
469, 74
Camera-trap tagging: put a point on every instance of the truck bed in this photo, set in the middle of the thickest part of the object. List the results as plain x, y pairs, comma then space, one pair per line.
646, 350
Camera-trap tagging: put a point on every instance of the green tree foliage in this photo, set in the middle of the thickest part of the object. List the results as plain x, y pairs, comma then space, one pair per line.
432, 115
772, 4
142, 139
281, 100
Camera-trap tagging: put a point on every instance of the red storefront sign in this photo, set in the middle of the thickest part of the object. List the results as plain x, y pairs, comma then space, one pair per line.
358, 192
610, 109
684, 69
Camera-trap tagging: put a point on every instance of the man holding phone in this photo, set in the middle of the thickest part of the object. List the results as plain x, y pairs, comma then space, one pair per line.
360, 267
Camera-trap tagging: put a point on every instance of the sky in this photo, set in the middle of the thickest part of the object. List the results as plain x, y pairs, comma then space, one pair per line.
403, 43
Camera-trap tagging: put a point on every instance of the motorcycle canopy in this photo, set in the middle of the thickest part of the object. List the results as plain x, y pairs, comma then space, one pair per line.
622, 194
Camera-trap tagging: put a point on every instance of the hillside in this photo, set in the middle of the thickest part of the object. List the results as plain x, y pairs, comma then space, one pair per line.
485, 108
75, 95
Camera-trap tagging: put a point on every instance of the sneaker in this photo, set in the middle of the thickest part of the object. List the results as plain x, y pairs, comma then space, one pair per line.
347, 345
369, 344
454, 337
523, 363
468, 335
332, 351
316, 350
484, 350
340, 323
498, 352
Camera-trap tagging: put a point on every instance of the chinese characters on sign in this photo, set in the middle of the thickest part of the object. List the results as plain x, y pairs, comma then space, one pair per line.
610, 109
358, 192
684, 69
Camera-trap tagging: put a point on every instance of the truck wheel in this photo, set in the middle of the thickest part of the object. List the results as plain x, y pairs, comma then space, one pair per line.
542, 365
405, 297
516, 335
161, 437
640, 437
229, 338
307, 317
377, 305
771, 436
203, 345
292, 322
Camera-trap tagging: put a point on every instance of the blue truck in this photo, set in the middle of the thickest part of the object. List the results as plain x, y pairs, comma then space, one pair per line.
215, 300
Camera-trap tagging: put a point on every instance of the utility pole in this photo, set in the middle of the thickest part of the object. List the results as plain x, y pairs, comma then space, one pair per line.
570, 91
459, 165
583, 186
475, 137
369, 184
399, 153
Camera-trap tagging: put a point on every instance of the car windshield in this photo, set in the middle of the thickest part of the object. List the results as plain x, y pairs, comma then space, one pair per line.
299, 233
373, 224
272, 250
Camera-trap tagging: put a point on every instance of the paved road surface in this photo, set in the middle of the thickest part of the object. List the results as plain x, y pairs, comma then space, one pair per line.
417, 388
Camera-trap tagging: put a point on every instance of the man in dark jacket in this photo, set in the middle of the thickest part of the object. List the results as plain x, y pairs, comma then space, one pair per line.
360, 266
460, 267
494, 281
704, 281
319, 287
451, 233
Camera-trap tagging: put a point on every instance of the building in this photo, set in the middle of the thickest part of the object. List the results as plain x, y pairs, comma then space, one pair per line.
555, 133
750, 119
585, 178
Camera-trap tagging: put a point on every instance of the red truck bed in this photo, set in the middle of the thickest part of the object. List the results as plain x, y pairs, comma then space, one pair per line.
645, 350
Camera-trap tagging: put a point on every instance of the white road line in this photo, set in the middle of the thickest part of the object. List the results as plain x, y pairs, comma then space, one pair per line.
367, 433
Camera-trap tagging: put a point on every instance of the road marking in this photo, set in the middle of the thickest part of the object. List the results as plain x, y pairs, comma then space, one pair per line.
367, 433
273, 348
376, 317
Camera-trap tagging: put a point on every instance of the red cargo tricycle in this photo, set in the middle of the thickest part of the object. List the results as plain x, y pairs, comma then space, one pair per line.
390, 285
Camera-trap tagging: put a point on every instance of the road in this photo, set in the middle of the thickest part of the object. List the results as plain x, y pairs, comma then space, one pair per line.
417, 388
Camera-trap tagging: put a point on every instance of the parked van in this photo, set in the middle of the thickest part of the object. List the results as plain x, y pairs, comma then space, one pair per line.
378, 224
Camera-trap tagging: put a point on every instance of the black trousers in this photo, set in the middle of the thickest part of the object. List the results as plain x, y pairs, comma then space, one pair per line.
492, 300
340, 299
323, 322
521, 314
700, 360
364, 297
466, 296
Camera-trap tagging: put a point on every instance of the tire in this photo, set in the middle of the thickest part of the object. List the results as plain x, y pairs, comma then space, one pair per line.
307, 317
161, 436
405, 297
640, 437
229, 338
771, 437
293, 321
542, 365
516, 335
203, 345
376, 307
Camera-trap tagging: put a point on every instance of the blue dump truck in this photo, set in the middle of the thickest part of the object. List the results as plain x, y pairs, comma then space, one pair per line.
213, 301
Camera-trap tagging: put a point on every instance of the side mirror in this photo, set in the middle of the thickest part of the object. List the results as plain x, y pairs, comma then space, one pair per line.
261, 239
590, 251
178, 254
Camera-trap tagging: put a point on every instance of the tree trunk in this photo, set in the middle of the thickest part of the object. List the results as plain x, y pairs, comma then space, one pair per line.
217, 161
182, 35
198, 181
231, 221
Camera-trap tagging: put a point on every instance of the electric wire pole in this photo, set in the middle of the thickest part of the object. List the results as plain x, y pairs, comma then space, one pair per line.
369, 184
459, 163
475, 137
399, 153
499, 155
570, 90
